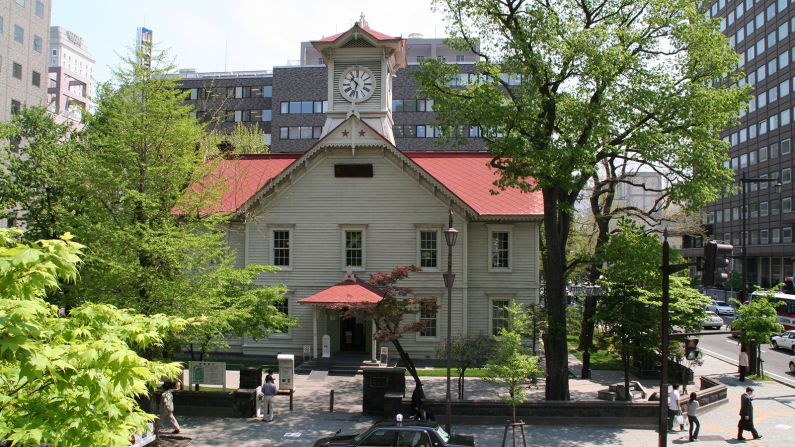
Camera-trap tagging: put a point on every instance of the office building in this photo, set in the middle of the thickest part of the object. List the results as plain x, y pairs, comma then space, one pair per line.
24, 27
763, 33
71, 70
289, 103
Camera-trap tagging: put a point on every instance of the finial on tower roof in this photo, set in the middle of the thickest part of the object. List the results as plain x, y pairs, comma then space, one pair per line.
362, 22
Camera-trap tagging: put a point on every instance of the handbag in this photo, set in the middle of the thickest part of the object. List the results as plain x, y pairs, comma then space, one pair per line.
679, 419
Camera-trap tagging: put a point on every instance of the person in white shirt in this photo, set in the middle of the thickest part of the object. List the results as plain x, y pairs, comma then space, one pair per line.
673, 407
743, 360
692, 417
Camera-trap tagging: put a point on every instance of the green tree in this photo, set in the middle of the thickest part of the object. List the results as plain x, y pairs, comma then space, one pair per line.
244, 139
70, 380
468, 352
511, 367
35, 186
629, 310
136, 188
758, 322
563, 86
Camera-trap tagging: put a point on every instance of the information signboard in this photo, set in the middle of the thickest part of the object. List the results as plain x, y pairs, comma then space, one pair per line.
207, 373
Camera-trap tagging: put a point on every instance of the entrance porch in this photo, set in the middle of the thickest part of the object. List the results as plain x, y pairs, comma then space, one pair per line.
335, 329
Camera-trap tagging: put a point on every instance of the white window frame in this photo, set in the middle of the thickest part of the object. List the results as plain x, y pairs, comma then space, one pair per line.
343, 230
290, 229
491, 229
439, 243
490, 313
289, 334
419, 336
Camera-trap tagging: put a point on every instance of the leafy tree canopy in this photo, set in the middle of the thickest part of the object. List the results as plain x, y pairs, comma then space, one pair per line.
562, 87
70, 380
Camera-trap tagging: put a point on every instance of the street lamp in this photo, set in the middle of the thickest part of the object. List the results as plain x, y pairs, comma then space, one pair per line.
743, 210
450, 236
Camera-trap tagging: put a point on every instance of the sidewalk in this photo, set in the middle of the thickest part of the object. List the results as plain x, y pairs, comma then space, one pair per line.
774, 409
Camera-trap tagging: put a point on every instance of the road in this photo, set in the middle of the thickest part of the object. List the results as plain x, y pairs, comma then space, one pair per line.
727, 348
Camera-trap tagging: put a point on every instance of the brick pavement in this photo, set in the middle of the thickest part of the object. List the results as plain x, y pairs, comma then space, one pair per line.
774, 409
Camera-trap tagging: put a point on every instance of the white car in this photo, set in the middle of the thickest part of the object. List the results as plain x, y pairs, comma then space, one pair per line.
785, 340
721, 308
712, 321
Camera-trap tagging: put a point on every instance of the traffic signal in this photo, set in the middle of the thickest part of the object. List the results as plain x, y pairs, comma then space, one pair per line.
716, 261
691, 349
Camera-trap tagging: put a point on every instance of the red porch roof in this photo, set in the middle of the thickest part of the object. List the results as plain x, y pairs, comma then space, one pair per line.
347, 292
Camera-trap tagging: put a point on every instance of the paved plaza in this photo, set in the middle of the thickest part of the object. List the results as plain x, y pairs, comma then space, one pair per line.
774, 413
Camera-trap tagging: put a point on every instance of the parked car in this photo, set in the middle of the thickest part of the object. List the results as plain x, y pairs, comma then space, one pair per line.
712, 321
784, 340
409, 434
792, 364
721, 308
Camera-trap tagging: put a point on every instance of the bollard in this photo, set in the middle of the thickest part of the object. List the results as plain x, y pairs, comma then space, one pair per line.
331, 401
291, 399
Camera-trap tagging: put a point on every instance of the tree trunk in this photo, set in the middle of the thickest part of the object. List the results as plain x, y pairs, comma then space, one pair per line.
625, 361
408, 362
556, 231
461, 384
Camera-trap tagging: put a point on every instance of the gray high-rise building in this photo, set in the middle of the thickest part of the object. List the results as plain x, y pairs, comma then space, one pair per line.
24, 30
763, 33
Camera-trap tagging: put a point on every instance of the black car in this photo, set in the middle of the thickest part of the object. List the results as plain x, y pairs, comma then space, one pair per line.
405, 434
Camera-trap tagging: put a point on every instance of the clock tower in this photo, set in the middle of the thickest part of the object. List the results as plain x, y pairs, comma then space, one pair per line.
361, 63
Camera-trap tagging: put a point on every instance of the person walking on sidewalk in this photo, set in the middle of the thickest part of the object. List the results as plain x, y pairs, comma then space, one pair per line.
692, 417
167, 404
673, 407
268, 391
747, 415
743, 360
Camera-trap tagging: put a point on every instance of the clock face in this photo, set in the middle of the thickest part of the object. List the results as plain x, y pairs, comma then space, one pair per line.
357, 84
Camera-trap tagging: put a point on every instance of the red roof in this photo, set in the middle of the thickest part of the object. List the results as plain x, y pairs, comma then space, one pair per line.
377, 35
467, 175
243, 176
470, 177
347, 292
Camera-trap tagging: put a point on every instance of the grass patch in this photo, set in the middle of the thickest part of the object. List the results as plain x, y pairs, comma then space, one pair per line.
758, 378
600, 360
442, 372
206, 389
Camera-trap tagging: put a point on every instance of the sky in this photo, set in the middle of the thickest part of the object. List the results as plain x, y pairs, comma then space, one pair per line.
228, 35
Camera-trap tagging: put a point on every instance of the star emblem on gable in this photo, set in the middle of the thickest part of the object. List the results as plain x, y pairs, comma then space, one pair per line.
345, 133
361, 133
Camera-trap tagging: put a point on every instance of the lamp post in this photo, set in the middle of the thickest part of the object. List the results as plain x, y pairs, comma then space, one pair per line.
450, 236
743, 210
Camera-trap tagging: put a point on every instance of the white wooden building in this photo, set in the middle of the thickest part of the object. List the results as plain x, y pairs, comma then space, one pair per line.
356, 204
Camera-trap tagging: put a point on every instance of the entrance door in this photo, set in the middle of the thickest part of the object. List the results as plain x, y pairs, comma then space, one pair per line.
351, 334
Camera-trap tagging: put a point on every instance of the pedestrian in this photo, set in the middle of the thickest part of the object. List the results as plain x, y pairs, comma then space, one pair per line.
692, 417
673, 408
167, 404
268, 391
747, 415
743, 363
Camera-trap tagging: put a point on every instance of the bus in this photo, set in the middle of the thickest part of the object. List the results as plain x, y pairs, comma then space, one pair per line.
785, 312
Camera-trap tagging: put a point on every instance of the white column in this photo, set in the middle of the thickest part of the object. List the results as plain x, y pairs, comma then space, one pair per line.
375, 347
314, 331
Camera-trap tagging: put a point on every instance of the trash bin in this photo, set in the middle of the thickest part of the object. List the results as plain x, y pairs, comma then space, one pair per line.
376, 383
250, 377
